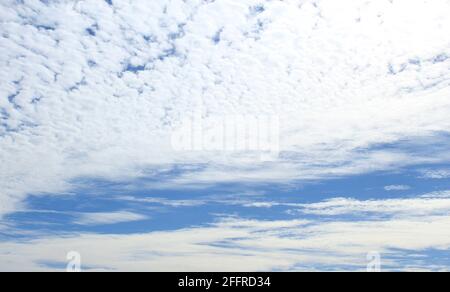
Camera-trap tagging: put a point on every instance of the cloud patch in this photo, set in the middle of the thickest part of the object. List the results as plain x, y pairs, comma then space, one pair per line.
397, 188
92, 219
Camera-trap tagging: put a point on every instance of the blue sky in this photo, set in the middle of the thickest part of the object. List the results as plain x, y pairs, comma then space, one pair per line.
224, 135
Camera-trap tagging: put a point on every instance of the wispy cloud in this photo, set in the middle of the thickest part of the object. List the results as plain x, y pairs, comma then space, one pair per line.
398, 229
435, 174
432, 204
266, 246
163, 201
397, 188
108, 218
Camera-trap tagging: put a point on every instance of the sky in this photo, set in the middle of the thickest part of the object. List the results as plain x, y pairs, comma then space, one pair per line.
224, 135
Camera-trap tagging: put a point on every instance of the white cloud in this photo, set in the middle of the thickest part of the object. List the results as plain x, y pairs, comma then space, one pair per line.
163, 201
436, 174
432, 204
108, 218
403, 232
397, 188
340, 82
265, 245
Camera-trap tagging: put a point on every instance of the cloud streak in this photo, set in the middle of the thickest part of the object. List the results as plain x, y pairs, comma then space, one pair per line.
397, 188
108, 218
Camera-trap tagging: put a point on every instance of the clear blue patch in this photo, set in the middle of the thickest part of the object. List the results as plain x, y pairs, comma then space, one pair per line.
258, 9
172, 52
45, 27
440, 58
134, 69
217, 37
92, 31
92, 63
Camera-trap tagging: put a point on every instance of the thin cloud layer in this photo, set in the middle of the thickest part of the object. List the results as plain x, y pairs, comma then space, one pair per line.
108, 218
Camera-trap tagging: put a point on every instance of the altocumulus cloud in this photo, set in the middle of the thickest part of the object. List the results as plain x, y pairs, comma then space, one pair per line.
95, 90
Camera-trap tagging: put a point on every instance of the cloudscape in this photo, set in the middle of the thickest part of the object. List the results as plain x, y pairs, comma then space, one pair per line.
224, 135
